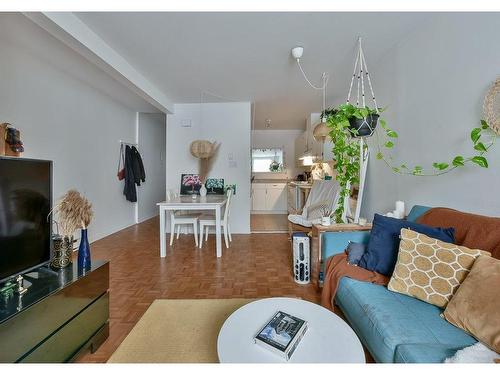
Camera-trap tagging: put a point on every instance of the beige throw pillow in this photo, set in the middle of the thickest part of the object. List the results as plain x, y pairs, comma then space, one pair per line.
429, 269
475, 307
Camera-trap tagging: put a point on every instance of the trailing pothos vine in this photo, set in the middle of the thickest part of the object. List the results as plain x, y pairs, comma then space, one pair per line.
480, 144
346, 150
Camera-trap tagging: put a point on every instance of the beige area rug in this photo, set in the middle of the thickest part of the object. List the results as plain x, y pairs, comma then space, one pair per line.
177, 331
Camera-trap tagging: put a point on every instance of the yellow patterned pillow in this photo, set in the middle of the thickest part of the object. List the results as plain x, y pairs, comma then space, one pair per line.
429, 269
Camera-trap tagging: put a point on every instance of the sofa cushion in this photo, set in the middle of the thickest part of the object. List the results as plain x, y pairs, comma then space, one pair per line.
424, 353
474, 231
429, 269
416, 212
383, 319
475, 307
382, 250
355, 251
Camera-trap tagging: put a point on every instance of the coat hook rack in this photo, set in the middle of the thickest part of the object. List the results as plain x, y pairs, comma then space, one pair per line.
127, 143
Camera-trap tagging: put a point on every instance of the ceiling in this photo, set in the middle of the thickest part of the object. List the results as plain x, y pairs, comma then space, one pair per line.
246, 56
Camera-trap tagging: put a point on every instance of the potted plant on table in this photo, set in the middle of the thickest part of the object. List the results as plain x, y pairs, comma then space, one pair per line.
326, 215
73, 212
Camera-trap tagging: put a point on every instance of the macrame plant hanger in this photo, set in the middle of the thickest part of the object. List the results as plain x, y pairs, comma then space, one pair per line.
359, 73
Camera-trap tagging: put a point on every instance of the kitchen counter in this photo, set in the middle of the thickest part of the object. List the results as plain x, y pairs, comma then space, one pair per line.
270, 181
301, 184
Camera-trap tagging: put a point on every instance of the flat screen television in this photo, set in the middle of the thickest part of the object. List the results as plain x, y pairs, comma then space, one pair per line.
25, 203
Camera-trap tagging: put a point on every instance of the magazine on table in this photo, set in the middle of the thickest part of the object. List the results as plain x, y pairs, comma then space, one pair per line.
282, 334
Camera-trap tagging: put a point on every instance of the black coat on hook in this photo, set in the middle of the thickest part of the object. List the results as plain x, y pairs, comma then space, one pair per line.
138, 167
134, 173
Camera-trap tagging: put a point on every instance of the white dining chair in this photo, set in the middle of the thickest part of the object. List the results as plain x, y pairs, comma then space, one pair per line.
179, 218
208, 220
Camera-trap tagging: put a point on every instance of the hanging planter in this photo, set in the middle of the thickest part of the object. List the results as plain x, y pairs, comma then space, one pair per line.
363, 127
361, 121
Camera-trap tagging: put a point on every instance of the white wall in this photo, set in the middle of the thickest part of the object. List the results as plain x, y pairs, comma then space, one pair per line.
227, 123
434, 84
152, 148
45, 93
283, 139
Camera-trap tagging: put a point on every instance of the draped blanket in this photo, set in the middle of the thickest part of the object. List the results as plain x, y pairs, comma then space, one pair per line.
336, 268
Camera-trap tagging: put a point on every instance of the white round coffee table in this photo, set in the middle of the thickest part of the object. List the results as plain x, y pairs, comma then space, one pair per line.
328, 338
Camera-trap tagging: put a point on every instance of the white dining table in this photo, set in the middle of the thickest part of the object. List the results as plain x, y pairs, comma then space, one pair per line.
186, 202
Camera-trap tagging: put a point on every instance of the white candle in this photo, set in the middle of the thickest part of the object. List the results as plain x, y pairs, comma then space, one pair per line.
397, 214
400, 207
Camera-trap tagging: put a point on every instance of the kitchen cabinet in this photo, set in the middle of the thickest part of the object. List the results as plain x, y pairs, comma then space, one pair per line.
269, 197
276, 197
258, 197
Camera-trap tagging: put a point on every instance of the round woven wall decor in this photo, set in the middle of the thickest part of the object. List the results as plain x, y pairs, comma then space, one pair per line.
202, 149
491, 107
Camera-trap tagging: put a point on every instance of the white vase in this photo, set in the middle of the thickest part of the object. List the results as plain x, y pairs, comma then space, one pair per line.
203, 191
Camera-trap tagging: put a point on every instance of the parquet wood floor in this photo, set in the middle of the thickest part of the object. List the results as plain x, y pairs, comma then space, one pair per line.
269, 222
255, 266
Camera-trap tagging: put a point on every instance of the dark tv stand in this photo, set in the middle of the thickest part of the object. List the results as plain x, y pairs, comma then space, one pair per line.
62, 314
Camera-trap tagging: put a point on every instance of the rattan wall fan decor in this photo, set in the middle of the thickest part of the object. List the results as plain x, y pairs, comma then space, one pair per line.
491, 106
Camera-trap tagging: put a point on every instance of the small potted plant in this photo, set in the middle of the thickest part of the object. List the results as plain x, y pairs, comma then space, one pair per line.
326, 215
275, 167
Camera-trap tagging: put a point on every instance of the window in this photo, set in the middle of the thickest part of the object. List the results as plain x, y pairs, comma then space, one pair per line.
267, 160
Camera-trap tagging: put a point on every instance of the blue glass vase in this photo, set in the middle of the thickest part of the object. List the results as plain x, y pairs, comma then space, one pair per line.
84, 252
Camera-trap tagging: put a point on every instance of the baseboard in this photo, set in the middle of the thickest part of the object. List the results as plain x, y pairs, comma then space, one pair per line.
269, 231
147, 218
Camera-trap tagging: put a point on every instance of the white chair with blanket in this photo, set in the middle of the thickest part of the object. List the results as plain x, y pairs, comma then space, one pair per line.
324, 193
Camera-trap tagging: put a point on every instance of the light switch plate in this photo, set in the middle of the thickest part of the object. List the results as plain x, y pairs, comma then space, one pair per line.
186, 123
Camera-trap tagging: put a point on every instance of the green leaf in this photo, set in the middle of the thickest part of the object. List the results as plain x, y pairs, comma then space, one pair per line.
379, 156
480, 147
344, 123
403, 166
440, 166
484, 125
417, 170
383, 123
481, 161
391, 133
458, 161
475, 134
364, 112
395, 169
389, 144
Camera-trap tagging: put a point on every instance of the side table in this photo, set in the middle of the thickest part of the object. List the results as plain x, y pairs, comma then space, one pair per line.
316, 253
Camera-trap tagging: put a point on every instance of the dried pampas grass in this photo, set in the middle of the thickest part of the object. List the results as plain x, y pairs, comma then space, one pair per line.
206, 163
73, 212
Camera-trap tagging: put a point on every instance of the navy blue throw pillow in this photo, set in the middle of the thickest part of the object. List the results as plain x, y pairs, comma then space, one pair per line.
382, 250
355, 251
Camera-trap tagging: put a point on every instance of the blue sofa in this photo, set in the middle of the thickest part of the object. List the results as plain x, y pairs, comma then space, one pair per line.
392, 326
